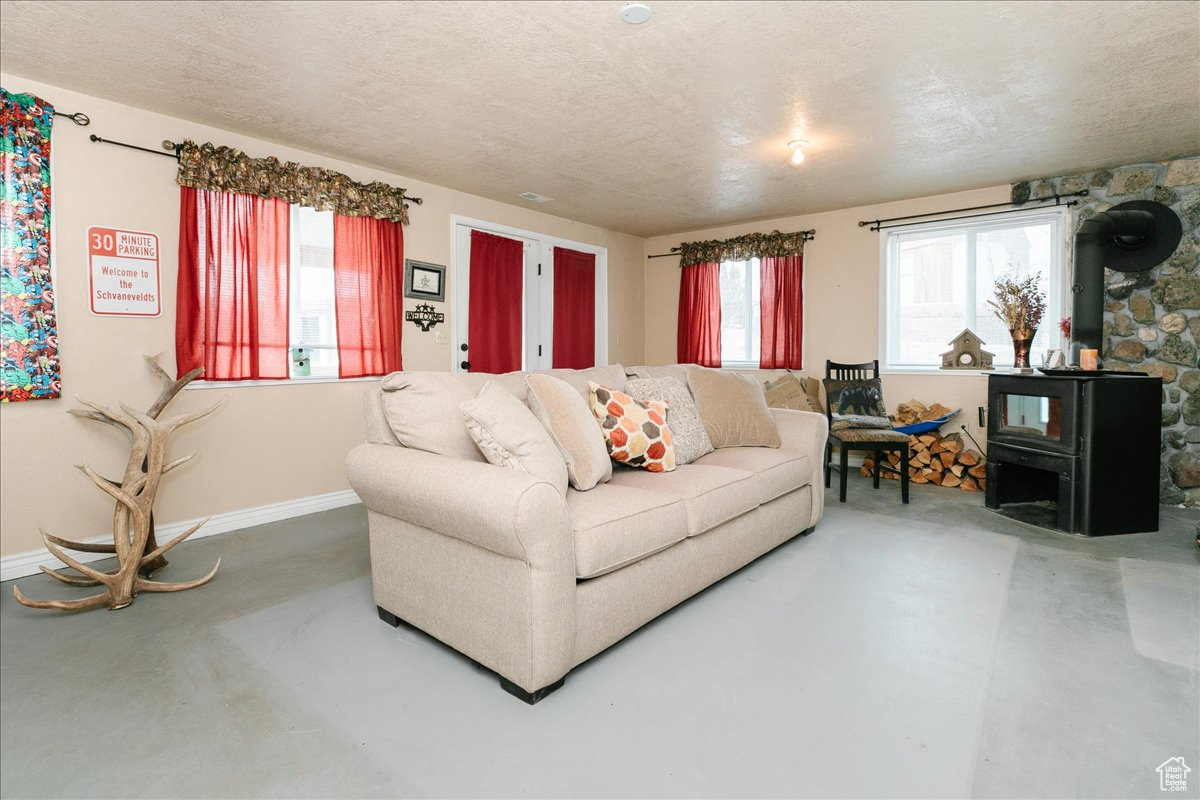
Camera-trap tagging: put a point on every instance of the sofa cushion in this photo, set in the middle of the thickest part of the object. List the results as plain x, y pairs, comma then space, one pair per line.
618, 525
423, 410
711, 495
509, 435
776, 472
691, 438
733, 408
612, 376
565, 414
677, 371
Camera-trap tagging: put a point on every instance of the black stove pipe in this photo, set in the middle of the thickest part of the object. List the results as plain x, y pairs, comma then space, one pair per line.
1101, 239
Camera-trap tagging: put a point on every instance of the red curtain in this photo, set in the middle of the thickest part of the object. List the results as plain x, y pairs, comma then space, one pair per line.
232, 290
574, 309
699, 339
781, 303
494, 314
368, 280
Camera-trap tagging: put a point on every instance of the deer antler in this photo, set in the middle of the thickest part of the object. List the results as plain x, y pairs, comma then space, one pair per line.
143, 585
133, 517
62, 605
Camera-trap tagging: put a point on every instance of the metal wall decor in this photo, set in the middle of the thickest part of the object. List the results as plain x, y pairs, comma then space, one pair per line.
424, 317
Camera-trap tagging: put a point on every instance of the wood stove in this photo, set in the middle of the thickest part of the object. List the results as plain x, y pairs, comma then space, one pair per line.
1084, 446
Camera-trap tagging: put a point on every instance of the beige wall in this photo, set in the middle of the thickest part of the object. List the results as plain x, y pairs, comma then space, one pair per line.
841, 297
269, 444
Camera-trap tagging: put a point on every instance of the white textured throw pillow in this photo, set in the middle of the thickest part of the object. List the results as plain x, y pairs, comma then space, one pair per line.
691, 439
510, 436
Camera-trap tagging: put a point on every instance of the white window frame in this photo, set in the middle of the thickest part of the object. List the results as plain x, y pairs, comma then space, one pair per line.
539, 291
1063, 265
294, 327
749, 302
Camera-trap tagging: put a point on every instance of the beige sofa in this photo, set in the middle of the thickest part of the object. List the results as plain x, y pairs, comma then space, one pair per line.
500, 566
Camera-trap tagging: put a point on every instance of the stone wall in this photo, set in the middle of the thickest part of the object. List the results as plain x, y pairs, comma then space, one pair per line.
1152, 319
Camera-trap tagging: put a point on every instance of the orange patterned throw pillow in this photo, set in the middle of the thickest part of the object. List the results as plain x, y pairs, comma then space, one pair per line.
636, 433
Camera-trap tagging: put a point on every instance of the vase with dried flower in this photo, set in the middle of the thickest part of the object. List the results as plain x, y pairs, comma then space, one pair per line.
1020, 305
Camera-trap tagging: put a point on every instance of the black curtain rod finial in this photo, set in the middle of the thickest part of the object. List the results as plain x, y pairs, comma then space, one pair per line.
79, 118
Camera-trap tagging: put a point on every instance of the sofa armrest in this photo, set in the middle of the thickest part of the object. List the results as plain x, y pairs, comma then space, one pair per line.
507, 512
806, 432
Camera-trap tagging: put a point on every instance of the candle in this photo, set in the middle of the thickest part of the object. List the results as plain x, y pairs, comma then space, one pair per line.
1089, 359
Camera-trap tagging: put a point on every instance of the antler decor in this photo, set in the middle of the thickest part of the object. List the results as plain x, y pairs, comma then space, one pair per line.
138, 554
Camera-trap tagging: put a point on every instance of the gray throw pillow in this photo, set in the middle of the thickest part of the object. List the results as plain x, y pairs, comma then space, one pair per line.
691, 439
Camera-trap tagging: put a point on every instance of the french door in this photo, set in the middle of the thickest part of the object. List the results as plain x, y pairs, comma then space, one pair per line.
523, 301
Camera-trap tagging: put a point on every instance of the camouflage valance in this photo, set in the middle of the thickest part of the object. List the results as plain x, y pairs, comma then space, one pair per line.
741, 248
227, 169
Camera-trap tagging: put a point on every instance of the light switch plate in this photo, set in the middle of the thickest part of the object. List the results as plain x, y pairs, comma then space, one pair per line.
440, 337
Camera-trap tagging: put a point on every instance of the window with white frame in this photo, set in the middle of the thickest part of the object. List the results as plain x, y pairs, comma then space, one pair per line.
937, 279
313, 317
741, 339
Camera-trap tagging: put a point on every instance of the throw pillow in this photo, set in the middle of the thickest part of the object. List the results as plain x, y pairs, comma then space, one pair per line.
691, 439
789, 392
422, 409
851, 402
635, 433
564, 413
509, 435
733, 408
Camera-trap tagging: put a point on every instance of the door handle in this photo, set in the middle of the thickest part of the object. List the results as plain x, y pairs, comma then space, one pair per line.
465, 364
463, 347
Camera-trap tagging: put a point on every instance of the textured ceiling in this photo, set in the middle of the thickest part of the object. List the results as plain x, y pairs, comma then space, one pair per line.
677, 124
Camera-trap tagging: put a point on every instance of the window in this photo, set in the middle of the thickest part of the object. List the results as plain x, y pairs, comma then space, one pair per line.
313, 319
740, 315
938, 278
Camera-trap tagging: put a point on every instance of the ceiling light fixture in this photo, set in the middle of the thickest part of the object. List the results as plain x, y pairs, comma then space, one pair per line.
797, 146
635, 13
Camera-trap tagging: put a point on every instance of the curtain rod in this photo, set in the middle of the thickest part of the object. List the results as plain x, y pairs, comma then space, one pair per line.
808, 237
973, 216
172, 150
877, 224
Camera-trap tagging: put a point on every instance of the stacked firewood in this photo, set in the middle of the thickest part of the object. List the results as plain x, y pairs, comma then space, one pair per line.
940, 460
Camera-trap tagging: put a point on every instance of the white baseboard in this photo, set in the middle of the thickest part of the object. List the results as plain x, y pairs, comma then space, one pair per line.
22, 564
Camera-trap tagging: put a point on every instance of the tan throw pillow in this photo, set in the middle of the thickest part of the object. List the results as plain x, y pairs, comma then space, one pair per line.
691, 439
422, 409
635, 433
788, 392
733, 408
564, 413
510, 436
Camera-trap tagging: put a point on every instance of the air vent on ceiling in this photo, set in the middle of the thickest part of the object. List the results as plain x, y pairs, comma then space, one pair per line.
537, 198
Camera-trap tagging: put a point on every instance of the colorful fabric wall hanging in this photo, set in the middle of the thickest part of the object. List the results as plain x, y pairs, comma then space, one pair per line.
28, 328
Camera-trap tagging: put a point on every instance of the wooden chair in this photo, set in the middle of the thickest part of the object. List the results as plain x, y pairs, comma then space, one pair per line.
877, 441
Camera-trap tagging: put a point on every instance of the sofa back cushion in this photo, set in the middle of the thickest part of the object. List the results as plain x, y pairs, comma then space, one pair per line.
423, 410
691, 439
612, 376
677, 371
733, 408
564, 413
509, 435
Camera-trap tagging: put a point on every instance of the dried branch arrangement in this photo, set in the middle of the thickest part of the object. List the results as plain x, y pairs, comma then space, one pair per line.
138, 554
1019, 303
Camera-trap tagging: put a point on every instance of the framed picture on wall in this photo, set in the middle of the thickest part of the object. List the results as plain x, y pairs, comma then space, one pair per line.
424, 281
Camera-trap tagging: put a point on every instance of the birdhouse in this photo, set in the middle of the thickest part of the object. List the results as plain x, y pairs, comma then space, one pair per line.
967, 353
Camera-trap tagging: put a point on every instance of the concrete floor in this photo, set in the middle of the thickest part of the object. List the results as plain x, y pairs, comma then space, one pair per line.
928, 650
